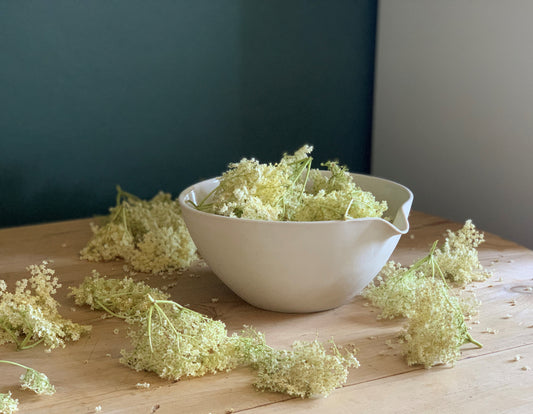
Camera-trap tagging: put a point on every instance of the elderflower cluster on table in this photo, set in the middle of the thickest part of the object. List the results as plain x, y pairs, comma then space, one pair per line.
422, 293
174, 342
8, 404
150, 235
32, 380
29, 315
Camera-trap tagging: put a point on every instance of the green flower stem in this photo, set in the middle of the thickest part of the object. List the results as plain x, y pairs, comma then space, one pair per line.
118, 210
108, 310
304, 165
28, 337
10, 332
22, 345
202, 206
121, 195
435, 264
150, 311
14, 363
473, 341
160, 301
435, 269
163, 316
307, 167
414, 267
34, 344
124, 220
346, 215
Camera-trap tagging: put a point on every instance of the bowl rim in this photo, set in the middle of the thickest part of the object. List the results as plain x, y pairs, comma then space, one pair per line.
184, 193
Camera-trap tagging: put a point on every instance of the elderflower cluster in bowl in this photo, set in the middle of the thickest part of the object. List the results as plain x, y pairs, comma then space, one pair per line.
291, 238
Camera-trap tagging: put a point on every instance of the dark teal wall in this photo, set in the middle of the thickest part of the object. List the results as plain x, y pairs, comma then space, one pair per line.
155, 95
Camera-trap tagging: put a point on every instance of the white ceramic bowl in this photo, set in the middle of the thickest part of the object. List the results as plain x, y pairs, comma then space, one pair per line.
298, 266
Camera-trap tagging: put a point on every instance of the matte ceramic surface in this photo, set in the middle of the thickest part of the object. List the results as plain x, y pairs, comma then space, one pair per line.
298, 266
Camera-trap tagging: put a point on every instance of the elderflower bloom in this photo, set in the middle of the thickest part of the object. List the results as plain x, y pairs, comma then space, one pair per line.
290, 191
393, 290
150, 235
8, 404
252, 190
32, 380
167, 338
436, 327
120, 297
175, 342
305, 370
30, 315
458, 257
37, 382
336, 197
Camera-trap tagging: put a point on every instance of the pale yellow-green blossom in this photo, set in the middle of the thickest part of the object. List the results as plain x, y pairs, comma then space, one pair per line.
174, 342
253, 190
335, 196
29, 315
148, 234
37, 381
393, 290
32, 380
306, 370
122, 297
8, 404
435, 313
290, 190
436, 327
458, 258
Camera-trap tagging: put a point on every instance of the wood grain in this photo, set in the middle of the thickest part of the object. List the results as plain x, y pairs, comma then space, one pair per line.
88, 374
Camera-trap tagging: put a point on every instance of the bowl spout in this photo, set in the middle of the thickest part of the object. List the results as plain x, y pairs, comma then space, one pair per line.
399, 200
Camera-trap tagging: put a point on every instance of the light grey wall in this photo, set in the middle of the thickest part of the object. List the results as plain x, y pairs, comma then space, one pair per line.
453, 115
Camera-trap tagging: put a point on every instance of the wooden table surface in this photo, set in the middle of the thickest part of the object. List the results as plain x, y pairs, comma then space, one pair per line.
87, 373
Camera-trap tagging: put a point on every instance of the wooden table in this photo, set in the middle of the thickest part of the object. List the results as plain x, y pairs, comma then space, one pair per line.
87, 373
